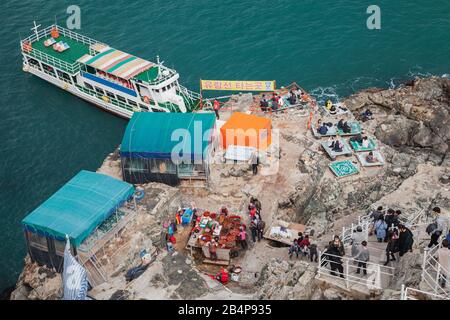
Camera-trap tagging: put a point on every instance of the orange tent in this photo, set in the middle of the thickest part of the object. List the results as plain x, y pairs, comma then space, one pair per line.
246, 130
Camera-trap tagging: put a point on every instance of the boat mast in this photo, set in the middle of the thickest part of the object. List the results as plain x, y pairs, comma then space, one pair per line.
35, 29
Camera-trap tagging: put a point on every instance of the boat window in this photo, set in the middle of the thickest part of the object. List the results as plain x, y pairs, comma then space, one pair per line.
164, 89
87, 85
132, 103
110, 94
90, 70
157, 90
157, 110
99, 90
64, 76
34, 63
48, 70
121, 99
143, 106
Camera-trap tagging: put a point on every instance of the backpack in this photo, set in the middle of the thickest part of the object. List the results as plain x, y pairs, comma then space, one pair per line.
431, 227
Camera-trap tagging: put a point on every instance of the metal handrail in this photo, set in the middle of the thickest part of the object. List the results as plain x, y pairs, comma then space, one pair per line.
349, 264
432, 271
404, 294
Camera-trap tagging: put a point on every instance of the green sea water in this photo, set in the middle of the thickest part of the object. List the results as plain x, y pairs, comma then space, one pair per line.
47, 135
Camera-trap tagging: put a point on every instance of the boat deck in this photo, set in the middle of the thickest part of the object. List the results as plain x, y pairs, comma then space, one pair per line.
71, 55
149, 75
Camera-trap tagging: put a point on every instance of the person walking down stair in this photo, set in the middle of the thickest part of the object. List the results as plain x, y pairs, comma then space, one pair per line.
380, 228
254, 160
436, 228
260, 229
362, 258
405, 240
392, 246
334, 254
357, 238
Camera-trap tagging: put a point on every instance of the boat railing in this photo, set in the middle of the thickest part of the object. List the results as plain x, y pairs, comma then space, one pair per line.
101, 96
71, 68
63, 31
55, 62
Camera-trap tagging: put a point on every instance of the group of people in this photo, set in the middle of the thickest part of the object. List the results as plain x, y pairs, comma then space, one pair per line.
336, 145
257, 225
322, 127
361, 140
304, 247
344, 126
294, 96
388, 228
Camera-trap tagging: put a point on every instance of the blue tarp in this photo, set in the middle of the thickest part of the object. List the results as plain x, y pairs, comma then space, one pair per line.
155, 135
79, 207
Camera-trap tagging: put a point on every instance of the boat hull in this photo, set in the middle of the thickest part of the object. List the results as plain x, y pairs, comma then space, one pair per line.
126, 114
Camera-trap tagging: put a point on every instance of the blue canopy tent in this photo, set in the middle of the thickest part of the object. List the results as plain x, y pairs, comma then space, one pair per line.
75, 210
166, 147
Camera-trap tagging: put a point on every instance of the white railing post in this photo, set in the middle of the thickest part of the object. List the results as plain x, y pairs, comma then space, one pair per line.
403, 293
424, 262
436, 285
346, 272
320, 263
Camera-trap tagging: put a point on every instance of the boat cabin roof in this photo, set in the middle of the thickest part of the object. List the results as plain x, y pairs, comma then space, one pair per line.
106, 59
117, 63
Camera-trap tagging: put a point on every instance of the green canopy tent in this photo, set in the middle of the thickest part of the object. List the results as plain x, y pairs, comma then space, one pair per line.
166, 147
75, 210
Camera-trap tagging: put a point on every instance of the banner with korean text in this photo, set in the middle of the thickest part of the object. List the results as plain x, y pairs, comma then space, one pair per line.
225, 85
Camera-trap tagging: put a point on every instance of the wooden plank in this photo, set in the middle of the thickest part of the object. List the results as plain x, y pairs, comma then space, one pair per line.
217, 262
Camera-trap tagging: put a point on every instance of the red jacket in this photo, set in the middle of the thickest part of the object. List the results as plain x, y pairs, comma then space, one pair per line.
304, 242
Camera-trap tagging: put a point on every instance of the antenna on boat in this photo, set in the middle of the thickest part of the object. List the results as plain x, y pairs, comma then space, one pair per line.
157, 59
56, 22
35, 29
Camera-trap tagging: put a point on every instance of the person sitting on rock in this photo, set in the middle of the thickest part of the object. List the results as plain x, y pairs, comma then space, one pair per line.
328, 104
338, 146
365, 142
264, 104
292, 98
371, 158
304, 245
294, 248
213, 250
367, 115
274, 101
340, 124
323, 129
346, 127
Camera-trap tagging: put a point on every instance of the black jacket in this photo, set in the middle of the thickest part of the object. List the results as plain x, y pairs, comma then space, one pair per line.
405, 241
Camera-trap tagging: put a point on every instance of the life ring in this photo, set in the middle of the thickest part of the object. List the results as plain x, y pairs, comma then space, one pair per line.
137, 109
139, 193
65, 86
146, 99
106, 99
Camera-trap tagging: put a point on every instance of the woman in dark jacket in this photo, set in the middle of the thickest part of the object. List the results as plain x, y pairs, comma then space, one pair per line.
405, 240
392, 246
